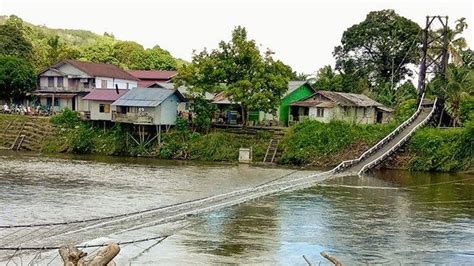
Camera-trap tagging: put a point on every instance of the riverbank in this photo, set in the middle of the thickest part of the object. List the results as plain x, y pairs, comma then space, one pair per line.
307, 144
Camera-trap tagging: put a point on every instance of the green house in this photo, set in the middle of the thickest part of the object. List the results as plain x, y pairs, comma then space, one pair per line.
297, 91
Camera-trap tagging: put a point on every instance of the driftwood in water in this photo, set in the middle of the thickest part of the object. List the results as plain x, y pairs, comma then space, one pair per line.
332, 259
72, 256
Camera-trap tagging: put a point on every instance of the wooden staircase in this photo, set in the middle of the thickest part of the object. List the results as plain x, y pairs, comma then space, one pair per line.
271, 151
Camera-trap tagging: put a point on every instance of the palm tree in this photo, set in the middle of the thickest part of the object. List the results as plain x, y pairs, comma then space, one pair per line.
459, 82
457, 44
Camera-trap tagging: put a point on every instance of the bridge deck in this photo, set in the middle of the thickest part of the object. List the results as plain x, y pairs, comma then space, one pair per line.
355, 169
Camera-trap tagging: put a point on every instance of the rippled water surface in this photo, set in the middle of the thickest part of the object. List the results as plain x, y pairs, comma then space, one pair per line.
393, 217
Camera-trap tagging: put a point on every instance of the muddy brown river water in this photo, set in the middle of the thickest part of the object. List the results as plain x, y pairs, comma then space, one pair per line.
389, 217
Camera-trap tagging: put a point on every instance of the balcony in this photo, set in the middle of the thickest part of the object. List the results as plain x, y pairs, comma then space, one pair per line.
133, 118
63, 89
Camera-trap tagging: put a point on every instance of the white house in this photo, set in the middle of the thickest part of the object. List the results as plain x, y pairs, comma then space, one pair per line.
67, 82
148, 106
99, 103
325, 106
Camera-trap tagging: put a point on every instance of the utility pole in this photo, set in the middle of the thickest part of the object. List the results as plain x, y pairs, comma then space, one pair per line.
434, 56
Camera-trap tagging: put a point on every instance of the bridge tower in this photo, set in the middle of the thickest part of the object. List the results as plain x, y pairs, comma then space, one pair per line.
434, 56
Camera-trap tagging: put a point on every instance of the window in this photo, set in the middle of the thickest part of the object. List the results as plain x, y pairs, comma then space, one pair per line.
104, 108
365, 112
49, 101
56, 101
60, 82
50, 82
319, 112
86, 85
103, 84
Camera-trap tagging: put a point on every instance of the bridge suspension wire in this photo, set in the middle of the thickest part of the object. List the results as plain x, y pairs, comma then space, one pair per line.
20, 248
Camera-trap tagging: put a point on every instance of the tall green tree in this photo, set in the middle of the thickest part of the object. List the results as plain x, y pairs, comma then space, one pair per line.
241, 71
17, 77
457, 44
13, 42
458, 83
380, 48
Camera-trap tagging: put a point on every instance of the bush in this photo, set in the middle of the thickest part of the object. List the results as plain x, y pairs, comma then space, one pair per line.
67, 118
82, 140
310, 140
405, 110
442, 149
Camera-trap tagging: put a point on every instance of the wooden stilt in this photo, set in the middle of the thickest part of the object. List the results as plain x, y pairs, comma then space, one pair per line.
159, 134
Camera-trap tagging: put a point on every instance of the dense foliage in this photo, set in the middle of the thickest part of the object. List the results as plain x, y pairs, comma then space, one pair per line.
442, 150
43, 47
239, 70
17, 77
67, 118
379, 48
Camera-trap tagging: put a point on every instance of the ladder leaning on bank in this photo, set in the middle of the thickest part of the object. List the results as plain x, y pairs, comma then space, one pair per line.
271, 151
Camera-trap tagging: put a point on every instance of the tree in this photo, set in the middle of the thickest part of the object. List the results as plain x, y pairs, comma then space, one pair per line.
101, 52
238, 69
380, 48
203, 111
456, 43
459, 82
13, 42
17, 77
155, 58
330, 79
123, 51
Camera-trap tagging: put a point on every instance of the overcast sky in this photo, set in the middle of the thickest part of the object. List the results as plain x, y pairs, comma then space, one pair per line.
301, 33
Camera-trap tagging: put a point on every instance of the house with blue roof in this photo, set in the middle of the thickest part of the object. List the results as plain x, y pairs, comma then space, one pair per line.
148, 106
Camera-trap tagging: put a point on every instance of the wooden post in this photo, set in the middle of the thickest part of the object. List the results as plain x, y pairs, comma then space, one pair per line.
159, 135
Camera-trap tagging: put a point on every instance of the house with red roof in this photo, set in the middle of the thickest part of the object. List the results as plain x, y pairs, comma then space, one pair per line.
149, 77
99, 103
67, 82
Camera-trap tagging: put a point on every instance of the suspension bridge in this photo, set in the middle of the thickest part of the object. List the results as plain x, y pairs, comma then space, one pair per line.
32, 240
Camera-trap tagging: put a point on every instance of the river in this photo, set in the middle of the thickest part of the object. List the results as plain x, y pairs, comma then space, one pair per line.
391, 217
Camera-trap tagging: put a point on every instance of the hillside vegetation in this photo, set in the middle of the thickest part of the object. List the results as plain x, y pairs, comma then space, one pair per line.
49, 46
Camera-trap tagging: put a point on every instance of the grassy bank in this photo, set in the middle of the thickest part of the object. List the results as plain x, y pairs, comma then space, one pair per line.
319, 144
309, 143
76, 136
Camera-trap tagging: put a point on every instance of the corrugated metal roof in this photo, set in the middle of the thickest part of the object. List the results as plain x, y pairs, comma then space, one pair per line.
349, 99
144, 97
98, 69
293, 85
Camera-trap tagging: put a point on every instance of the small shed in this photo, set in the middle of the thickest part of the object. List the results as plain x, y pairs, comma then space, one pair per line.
148, 106
98, 103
